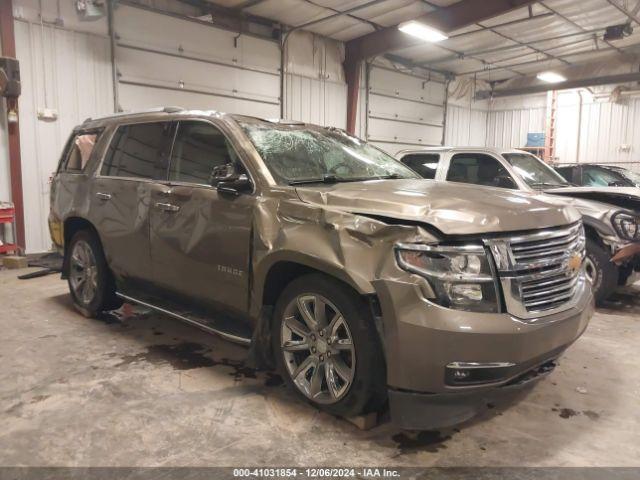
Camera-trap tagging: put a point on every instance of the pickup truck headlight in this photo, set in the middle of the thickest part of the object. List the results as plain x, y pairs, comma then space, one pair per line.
461, 276
627, 226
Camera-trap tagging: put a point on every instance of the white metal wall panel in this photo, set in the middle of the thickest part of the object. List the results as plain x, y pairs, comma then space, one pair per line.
194, 64
602, 132
315, 101
70, 72
404, 110
509, 128
466, 127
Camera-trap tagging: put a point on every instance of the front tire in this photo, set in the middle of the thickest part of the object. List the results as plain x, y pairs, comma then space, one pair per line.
327, 348
90, 281
601, 271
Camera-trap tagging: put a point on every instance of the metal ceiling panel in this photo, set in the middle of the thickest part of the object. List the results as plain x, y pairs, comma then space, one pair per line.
589, 14
538, 28
290, 12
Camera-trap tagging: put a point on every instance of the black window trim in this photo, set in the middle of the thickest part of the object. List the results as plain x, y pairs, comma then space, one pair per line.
455, 154
230, 142
115, 128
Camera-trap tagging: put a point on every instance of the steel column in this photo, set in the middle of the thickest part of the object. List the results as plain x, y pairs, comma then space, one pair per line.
15, 163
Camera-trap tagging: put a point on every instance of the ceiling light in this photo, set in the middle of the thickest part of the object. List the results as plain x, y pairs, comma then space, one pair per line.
551, 77
422, 31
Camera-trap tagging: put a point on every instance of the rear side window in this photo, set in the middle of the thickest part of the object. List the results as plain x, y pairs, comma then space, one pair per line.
201, 153
424, 164
139, 151
479, 169
79, 152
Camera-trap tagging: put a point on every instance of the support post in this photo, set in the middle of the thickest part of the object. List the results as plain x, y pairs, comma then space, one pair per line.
352, 75
8, 40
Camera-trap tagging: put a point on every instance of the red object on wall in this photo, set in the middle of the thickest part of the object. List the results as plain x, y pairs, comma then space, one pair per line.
8, 216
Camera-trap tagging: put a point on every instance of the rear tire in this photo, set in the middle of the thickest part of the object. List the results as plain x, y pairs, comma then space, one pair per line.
91, 283
602, 272
324, 332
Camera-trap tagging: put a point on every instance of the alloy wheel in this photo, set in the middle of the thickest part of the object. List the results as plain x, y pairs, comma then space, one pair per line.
318, 348
590, 270
83, 272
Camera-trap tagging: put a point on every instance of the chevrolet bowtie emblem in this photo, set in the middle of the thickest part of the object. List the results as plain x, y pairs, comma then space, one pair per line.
574, 262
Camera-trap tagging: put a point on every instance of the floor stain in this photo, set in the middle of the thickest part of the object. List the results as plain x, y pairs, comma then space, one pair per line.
567, 412
39, 398
273, 380
591, 415
187, 356
181, 356
48, 336
425, 441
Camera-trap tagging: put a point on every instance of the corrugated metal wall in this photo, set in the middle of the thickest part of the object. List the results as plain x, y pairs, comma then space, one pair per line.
69, 71
466, 126
600, 131
509, 128
314, 87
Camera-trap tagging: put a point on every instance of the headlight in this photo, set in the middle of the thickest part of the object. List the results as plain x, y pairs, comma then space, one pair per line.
627, 226
461, 276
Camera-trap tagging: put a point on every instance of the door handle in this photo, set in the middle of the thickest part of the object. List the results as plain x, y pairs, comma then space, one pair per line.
167, 207
103, 196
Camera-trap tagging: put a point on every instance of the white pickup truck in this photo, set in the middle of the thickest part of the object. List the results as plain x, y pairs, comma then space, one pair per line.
611, 215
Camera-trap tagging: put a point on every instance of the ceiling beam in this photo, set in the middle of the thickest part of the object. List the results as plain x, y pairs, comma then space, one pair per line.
630, 15
447, 19
580, 83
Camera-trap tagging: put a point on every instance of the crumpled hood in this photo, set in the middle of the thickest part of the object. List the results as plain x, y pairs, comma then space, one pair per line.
454, 209
623, 197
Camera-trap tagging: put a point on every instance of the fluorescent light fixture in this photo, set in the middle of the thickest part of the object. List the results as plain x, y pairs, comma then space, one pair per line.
551, 77
422, 31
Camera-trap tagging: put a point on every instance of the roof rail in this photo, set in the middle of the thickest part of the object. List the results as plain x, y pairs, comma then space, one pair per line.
167, 109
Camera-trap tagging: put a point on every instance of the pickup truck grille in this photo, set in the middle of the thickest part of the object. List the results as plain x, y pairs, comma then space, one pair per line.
541, 273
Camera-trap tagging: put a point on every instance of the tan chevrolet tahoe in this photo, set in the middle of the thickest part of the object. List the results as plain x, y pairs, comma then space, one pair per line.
360, 281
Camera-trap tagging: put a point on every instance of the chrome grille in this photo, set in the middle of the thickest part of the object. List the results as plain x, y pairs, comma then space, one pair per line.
541, 273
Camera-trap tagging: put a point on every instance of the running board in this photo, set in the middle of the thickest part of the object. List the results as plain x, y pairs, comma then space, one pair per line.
190, 321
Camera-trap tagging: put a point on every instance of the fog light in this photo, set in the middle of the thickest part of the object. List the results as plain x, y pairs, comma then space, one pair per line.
463, 292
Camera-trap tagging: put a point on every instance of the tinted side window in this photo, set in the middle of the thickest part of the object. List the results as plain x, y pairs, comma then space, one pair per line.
79, 150
200, 154
566, 172
424, 164
479, 169
138, 151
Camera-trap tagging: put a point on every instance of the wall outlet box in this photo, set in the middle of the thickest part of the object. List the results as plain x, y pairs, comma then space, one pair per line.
47, 114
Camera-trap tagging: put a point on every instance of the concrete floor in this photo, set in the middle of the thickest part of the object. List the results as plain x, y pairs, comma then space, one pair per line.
149, 391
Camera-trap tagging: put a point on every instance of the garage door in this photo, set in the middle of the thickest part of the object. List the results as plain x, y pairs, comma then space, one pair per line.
405, 110
195, 66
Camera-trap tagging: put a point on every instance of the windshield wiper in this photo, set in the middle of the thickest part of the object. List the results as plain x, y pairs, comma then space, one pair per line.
329, 178
391, 176
550, 185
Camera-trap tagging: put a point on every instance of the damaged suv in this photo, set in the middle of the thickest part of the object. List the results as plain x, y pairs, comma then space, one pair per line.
361, 281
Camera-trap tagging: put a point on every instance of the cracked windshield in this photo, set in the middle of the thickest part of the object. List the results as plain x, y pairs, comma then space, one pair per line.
297, 154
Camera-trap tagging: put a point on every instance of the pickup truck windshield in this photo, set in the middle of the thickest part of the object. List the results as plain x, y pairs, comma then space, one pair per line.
535, 172
298, 154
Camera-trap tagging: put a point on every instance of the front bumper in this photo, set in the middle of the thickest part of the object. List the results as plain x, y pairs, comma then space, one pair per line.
423, 411
420, 339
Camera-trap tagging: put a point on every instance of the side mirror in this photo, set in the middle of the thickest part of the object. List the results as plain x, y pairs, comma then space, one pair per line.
234, 185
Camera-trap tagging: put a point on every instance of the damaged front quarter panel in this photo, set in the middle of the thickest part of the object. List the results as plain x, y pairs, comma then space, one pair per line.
351, 247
